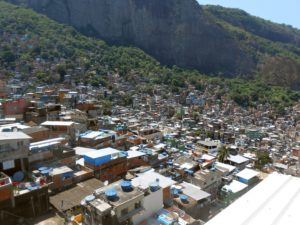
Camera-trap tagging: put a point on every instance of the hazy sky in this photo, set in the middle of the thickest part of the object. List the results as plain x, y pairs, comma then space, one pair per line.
280, 11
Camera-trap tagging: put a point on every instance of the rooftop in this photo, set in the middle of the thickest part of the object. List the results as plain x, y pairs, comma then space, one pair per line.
73, 196
221, 166
247, 174
238, 159
209, 143
169, 216
46, 143
273, 201
13, 136
134, 154
208, 157
235, 186
122, 196
148, 177
83, 150
57, 123
96, 134
60, 170
14, 125
194, 191
101, 153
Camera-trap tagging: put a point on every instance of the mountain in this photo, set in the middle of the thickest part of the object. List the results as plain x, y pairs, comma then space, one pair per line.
40, 51
274, 47
214, 40
255, 25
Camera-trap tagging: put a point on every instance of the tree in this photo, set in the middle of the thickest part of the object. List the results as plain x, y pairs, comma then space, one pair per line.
7, 56
106, 107
223, 153
263, 158
61, 69
209, 134
127, 100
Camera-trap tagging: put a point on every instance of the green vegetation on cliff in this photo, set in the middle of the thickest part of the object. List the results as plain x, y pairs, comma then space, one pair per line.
274, 47
44, 51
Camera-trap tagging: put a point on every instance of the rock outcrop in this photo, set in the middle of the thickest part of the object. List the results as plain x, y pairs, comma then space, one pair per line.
176, 32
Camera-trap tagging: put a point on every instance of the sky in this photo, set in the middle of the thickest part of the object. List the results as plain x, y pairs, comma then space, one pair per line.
280, 11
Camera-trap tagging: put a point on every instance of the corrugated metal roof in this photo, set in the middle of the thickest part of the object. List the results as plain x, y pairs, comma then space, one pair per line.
194, 191
274, 201
73, 196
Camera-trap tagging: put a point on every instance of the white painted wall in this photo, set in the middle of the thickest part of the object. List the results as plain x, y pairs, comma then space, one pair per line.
152, 204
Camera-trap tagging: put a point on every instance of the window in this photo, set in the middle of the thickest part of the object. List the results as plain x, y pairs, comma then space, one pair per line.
4, 148
124, 212
20, 143
8, 164
137, 205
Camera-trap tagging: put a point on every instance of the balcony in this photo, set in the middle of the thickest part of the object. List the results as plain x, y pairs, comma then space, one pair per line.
9, 152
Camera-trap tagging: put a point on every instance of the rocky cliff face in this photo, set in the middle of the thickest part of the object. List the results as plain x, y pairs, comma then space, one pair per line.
176, 32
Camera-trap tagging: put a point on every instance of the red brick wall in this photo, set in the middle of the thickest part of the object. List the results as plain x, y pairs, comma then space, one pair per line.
14, 107
136, 162
111, 170
5, 193
68, 161
85, 106
39, 136
296, 152
166, 194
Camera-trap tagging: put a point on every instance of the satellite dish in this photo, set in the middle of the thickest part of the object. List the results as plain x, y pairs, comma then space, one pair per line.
105, 183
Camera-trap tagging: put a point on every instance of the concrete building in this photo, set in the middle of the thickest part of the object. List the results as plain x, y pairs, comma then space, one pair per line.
238, 161
248, 176
192, 200
152, 203
114, 204
61, 129
14, 147
151, 134
165, 183
209, 180
135, 159
232, 191
209, 146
